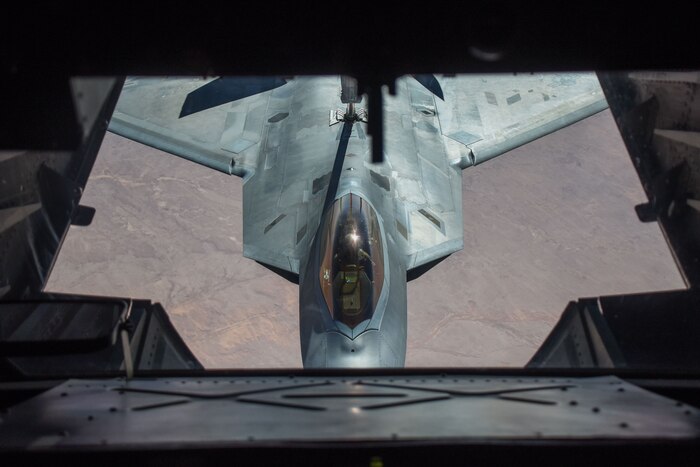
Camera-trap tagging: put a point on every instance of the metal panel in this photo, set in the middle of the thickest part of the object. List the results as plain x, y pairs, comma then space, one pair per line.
40, 192
197, 411
658, 115
423, 178
492, 114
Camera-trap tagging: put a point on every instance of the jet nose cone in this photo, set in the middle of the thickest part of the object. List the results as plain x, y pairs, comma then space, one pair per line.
368, 350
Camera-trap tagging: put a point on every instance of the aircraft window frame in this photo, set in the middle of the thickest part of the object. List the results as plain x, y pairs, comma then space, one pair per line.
351, 273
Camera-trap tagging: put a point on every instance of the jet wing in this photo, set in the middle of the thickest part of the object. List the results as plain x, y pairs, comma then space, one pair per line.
154, 111
492, 114
428, 140
247, 130
232, 125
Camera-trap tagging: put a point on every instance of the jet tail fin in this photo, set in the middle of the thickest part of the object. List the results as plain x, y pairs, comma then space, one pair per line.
431, 83
228, 89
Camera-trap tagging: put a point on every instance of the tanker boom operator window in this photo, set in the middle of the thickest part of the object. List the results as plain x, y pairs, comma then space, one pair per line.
352, 267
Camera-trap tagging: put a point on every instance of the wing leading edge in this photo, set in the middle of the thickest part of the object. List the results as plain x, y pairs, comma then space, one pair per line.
286, 165
224, 138
492, 114
276, 136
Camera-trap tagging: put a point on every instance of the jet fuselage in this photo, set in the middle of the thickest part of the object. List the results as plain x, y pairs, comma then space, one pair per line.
352, 284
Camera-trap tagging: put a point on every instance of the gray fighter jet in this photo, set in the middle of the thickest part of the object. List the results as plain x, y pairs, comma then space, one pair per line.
318, 211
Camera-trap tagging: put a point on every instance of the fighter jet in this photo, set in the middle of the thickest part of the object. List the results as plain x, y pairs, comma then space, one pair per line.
318, 211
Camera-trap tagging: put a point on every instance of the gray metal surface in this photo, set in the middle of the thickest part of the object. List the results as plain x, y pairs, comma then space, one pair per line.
280, 141
154, 342
297, 157
40, 191
658, 115
580, 339
492, 114
191, 411
426, 185
382, 340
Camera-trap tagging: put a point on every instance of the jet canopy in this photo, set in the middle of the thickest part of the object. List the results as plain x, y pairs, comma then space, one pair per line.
352, 260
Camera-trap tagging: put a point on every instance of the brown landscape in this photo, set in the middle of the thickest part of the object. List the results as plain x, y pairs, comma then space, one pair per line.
547, 223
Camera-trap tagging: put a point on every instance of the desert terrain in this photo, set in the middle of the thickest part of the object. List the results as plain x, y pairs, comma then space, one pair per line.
544, 224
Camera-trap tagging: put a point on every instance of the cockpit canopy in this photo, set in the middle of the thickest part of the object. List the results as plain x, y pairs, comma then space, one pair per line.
352, 266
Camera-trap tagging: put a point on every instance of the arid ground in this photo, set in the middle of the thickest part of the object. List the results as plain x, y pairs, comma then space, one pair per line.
547, 223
